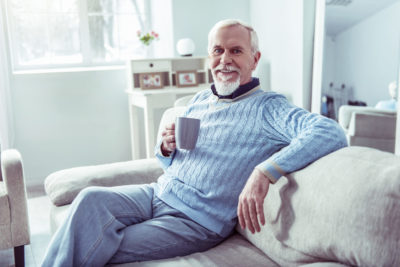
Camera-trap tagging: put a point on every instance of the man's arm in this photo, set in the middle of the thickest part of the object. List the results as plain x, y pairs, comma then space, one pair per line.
306, 138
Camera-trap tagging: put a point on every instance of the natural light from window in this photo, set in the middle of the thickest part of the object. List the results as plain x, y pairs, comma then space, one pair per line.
52, 33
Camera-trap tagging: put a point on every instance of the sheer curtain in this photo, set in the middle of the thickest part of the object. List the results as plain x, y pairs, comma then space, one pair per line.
6, 122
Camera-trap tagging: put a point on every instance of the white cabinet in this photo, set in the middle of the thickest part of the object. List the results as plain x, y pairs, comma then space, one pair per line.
152, 99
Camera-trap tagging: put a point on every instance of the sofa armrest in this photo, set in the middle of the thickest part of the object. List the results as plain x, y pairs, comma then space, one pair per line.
63, 186
372, 125
346, 112
13, 176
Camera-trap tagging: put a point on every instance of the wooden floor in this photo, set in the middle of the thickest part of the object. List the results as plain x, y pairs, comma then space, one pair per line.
38, 209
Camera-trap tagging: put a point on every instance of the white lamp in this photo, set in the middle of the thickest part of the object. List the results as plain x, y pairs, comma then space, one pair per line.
185, 47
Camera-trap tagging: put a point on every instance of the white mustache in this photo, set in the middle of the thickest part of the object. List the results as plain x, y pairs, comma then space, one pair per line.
226, 68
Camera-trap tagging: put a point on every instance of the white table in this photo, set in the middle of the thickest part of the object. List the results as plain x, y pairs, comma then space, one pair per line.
149, 101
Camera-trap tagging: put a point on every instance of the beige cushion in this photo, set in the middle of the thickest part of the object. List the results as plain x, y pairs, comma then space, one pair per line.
344, 207
63, 186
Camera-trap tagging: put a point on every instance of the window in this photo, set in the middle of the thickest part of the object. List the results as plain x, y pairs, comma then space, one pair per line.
54, 33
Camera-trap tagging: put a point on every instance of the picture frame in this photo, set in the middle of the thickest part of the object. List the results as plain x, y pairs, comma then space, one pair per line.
151, 80
187, 78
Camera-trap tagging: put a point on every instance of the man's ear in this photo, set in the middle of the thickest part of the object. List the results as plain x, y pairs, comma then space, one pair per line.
256, 59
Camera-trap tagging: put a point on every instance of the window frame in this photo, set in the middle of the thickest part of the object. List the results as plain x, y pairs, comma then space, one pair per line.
87, 59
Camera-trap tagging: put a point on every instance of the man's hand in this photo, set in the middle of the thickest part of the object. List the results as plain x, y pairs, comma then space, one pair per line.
251, 201
168, 139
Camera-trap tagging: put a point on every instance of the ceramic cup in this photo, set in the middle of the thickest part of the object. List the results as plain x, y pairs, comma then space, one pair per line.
186, 132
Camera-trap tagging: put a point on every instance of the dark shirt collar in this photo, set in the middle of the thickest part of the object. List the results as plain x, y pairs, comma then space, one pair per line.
242, 89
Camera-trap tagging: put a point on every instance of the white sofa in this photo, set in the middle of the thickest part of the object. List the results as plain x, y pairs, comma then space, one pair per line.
342, 210
369, 126
14, 221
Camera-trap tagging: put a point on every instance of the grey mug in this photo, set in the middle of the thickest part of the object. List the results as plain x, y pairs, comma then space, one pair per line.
186, 132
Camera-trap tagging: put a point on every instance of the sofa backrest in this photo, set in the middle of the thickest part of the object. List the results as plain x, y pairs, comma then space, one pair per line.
344, 207
346, 111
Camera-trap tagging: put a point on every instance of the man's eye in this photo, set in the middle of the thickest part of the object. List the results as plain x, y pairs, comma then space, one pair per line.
236, 51
217, 51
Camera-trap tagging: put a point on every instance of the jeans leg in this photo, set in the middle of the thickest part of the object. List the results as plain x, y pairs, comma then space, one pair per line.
170, 233
92, 232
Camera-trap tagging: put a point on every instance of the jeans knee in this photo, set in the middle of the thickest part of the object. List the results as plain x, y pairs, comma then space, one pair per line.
92, 195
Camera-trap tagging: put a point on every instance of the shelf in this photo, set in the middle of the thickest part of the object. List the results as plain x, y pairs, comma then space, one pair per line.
166, 90
150, 100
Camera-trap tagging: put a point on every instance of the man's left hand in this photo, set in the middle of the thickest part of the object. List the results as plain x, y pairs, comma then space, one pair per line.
251, 201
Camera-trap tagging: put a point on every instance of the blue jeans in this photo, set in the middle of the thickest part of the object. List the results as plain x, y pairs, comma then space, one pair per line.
124, 224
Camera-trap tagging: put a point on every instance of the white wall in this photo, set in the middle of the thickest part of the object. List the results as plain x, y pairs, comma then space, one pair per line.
328, 74
70, 119
162, 22
193, 19
366, 56
286, 45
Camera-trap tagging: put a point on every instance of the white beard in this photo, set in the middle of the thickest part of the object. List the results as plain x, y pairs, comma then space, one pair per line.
225, 88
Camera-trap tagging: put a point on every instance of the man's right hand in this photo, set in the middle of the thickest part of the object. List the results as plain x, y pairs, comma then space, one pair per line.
168, 140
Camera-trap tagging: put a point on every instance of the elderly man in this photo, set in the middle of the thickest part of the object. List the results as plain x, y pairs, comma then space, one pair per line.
248, 139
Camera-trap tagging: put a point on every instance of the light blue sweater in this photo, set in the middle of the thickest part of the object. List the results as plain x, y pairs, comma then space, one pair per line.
255, 130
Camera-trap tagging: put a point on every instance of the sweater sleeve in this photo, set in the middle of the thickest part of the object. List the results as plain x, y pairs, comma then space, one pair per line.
165, 161
306, 137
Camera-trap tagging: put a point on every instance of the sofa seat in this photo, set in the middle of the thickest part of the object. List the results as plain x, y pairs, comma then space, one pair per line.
236, 251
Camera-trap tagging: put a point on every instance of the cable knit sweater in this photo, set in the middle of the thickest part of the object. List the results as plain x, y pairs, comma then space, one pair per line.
255, 130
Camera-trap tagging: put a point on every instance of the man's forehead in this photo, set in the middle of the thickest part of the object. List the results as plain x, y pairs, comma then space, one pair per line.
232, 36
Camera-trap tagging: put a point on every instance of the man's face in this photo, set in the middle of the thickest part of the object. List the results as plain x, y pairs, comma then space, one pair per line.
231, 57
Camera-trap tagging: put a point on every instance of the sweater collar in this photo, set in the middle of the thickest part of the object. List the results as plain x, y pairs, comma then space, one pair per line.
242, 89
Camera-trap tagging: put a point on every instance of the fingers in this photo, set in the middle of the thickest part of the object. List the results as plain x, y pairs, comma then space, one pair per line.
253, 217
240, 216
170, 127
168, 137
247, 219
248, 215
169, 142
260, 212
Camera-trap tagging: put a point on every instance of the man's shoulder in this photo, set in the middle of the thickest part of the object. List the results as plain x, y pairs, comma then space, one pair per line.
272, 96
201, 95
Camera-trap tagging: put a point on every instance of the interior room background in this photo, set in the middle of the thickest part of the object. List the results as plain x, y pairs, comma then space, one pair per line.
63, 118
364, 57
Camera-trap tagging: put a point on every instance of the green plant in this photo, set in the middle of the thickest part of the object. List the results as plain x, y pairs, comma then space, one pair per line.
147, 38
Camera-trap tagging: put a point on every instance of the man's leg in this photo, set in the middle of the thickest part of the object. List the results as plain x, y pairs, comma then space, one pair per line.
170, 233
92, 232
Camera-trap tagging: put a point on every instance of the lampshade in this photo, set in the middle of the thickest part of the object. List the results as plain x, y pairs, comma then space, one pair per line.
185, 47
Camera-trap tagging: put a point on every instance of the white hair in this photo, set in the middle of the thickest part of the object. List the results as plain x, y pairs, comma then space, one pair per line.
234, 22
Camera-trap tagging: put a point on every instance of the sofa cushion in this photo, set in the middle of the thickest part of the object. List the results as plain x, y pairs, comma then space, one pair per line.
235, 251
345, 208
63, 186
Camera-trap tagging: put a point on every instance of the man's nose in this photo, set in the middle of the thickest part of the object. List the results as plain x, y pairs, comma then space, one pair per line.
226, 58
